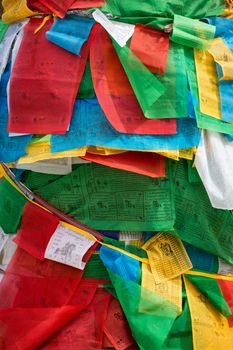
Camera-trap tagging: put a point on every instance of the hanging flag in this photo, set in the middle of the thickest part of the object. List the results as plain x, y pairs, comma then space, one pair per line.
56, 75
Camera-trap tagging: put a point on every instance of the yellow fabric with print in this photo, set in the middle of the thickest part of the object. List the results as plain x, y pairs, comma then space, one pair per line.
41, 151
16, 10
170, 290
210, 328
207, 79
186, 153
223, 56
167, 257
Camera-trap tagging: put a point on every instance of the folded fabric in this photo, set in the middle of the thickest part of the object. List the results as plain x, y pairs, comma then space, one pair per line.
116, 327
16, 10
70, 33
159, 96
11, 148
58, 8
106, 198
119, 263
11, 207
192, 33
89, 126
197, 222
223, 57
56, 76
214, 165
79, 4
37, 227
137, 8
115, 93
143, 163
205, 121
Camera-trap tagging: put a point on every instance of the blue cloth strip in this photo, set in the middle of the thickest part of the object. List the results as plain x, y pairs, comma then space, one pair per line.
70, 33
11, 148
90, 127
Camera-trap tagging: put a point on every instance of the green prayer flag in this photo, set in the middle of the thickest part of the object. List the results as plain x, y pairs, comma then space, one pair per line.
180, 336
11, 206
197, 222
192, 33
165, 8
210, 288
3, 29
109, 199
144, 311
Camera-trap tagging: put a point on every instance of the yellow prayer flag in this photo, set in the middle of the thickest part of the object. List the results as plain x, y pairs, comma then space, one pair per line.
207, 79
167, 257
170, 290
210, 328
223, 56
16, 10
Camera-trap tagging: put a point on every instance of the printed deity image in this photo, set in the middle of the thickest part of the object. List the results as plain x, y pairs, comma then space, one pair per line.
116, 175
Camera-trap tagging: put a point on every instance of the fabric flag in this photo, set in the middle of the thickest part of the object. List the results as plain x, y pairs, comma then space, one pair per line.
28, 328
197, 222
205, 121
207, 84
36, 5
116, 327
149, 164
213, 163
79, 4
58, 8
3, 29
211, 288
30, 282
144, 310
223, 57
197, 9
123, 265
151, 47
56, 75
173, 84
16, 10
86, 88
70, 33
227, 291
37, 227
201, 259
89, 126
11, 148
205, 318
86, 330
11, 207
115, 93
111, 201
20, 331
192, 33
180, 336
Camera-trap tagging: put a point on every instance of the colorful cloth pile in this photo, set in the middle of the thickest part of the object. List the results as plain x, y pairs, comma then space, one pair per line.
116, 190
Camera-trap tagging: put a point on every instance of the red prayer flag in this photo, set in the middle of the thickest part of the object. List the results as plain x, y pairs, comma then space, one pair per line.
30, 282
59, 8
44, 107
27, 328
115, 93
151, 48
37, 227
145, 163
117, 328
227, 291
82, 4
84, 332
